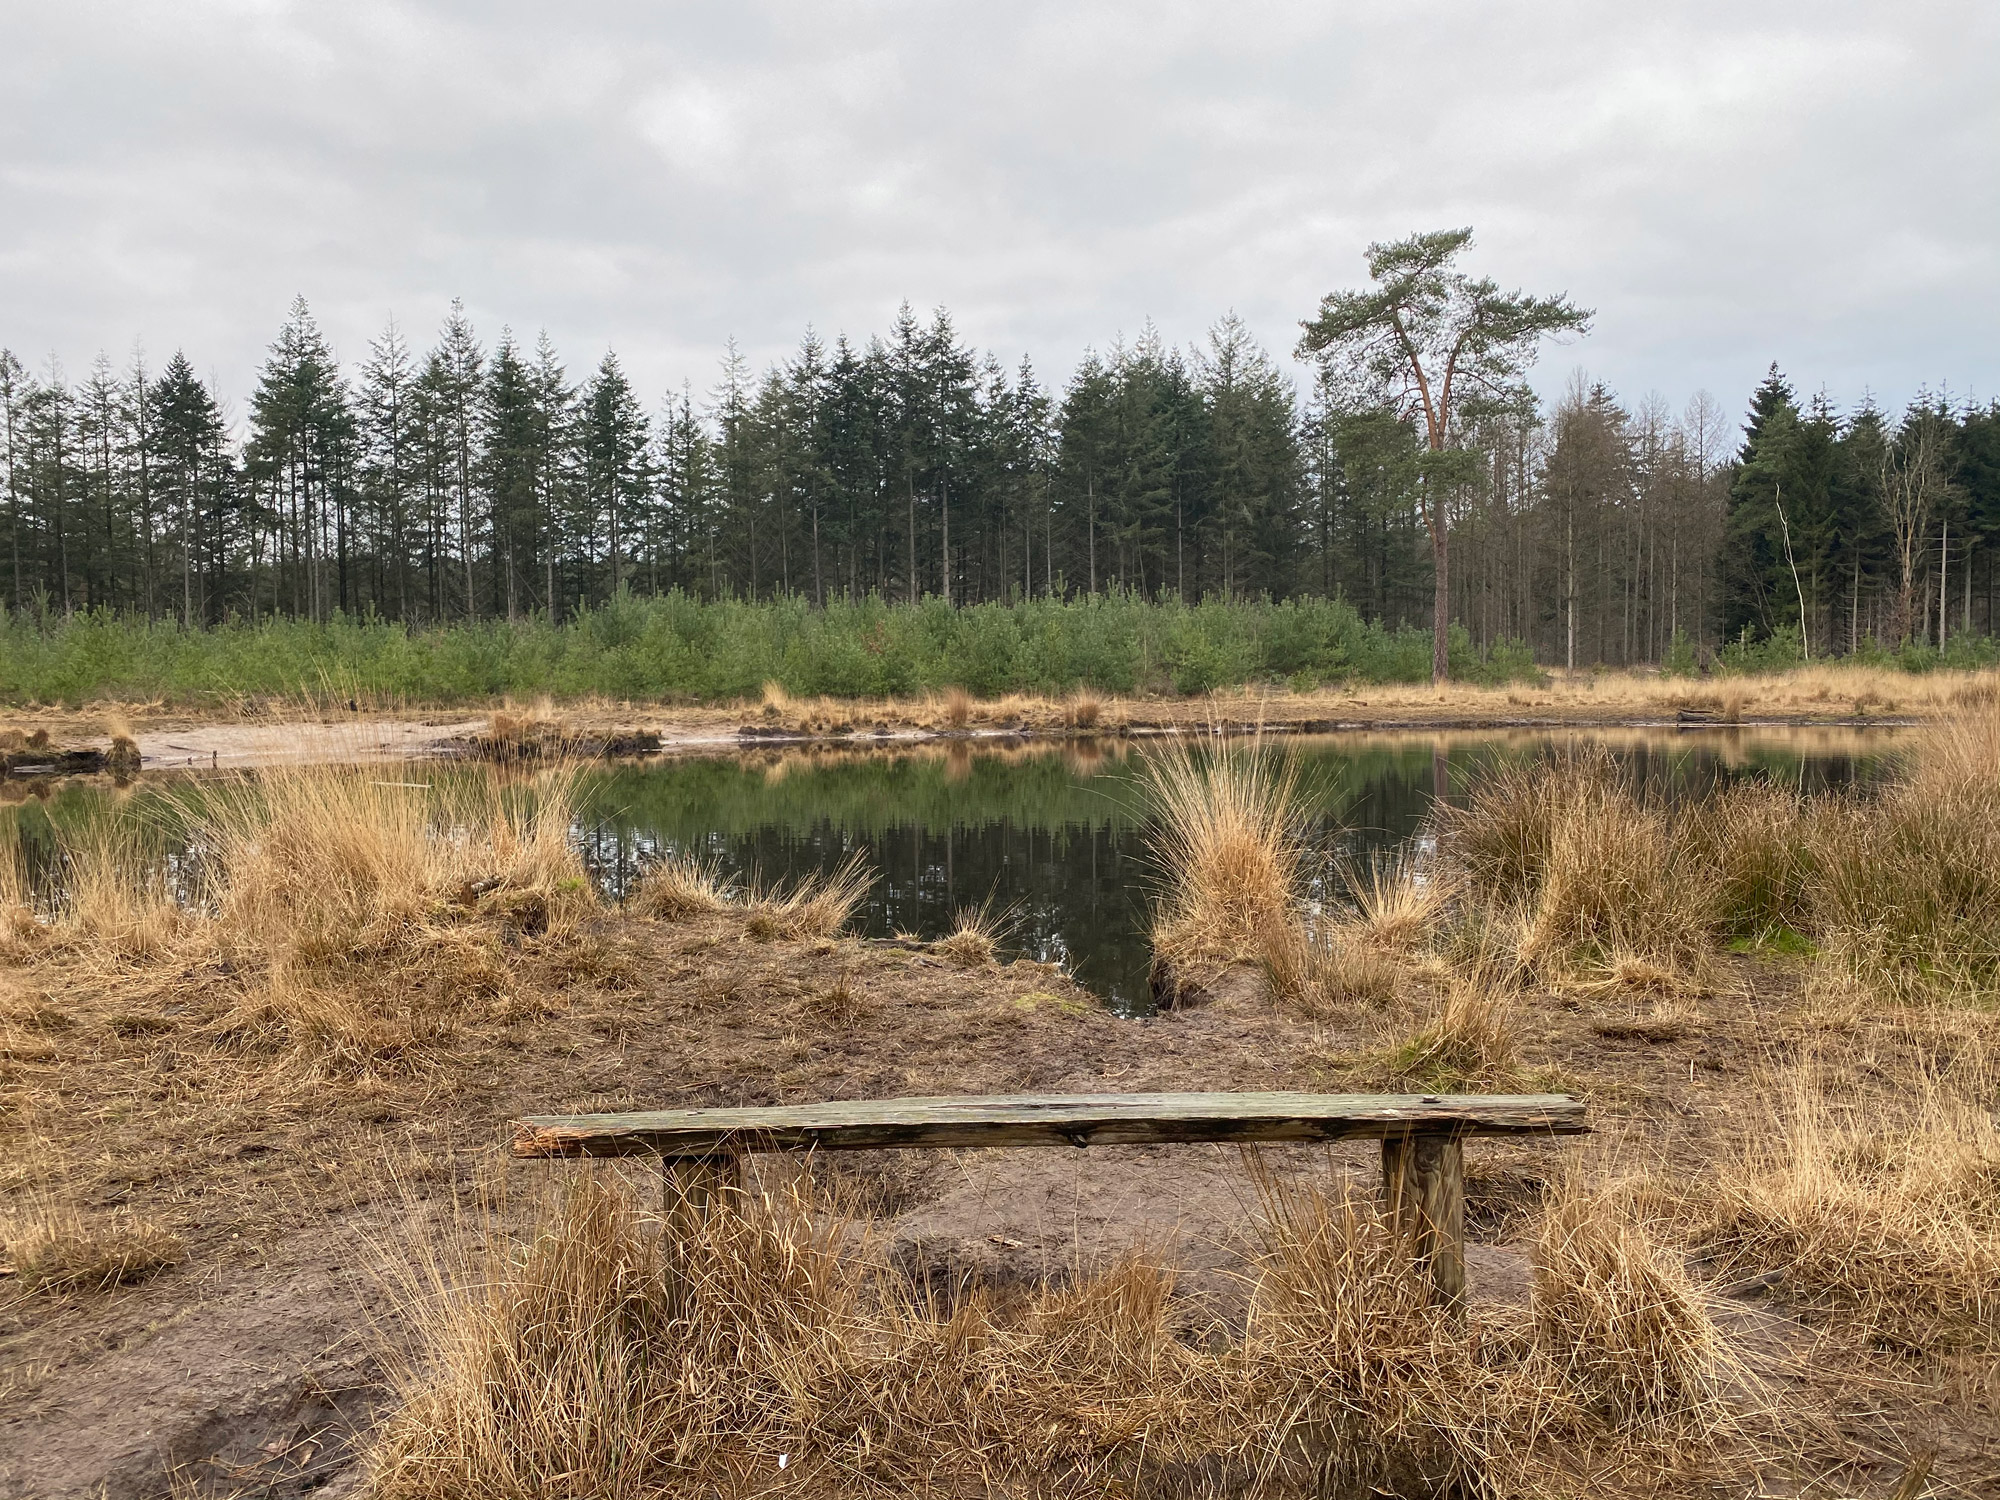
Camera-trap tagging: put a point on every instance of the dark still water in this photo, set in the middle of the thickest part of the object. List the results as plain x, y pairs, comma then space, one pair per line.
1056, 837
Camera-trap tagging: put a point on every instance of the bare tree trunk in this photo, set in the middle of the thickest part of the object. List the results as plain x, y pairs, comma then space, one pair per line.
1944, 562
1441, 601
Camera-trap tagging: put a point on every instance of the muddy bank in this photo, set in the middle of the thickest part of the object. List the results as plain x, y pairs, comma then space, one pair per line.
268, 731
237, 744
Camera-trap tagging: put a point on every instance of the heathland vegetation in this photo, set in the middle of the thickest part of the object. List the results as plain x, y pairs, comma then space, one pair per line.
1779, 1005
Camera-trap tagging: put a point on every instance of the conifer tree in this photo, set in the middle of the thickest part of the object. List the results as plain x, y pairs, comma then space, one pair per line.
193, 470
1430, 340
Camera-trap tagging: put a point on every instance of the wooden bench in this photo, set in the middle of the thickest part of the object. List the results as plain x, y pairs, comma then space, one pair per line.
1422, 1139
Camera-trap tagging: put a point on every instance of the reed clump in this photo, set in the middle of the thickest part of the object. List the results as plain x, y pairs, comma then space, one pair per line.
1083, 711
118, 901
1467, 1045
612, 1353
1906, 888
1326, 968
21, 932
1230, 852
957, 707
1620, 1313
1396, 903
682, 887
327, 909
368, 914
536, 732
1593, 874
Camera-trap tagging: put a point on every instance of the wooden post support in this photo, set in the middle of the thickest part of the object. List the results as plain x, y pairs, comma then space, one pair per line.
699, 1186
1423, 1194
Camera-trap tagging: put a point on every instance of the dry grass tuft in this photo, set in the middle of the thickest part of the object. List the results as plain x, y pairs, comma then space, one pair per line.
1467, 1046
537, 732
683, 886
20, 932
1084, 710
1906, 888
1231, 854
974, 937
1327, 968
818, 906
117, 900
56, 1248
325, 908
1901, 888
957, 707
612, 1353
1622, 1316
1397, 903
1894, 1224
1579, 865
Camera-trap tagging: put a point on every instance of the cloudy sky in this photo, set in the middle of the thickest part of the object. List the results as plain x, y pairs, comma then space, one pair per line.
1726, 183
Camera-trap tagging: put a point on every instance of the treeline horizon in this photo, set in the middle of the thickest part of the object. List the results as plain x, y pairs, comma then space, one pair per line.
471, 484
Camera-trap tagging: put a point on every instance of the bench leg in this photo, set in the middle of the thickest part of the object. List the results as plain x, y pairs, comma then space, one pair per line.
697, 1187
1423, 1195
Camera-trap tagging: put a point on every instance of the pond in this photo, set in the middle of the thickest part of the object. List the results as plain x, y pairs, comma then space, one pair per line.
1054, 838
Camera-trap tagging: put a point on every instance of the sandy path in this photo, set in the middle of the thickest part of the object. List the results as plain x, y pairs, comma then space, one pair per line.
217, 745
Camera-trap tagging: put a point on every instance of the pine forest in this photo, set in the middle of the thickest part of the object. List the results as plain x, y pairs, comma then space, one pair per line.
488, 480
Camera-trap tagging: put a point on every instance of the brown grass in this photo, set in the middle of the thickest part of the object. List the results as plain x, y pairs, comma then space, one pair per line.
56, 1248
1906, 889
1893, 1224
20, 932
1228, 841
1903, 887
1622, 1315
957, 707
817, 906
535, 732
682, 886
974, 937
771, 1350
331, 910
1326, 968
1397, 904
1581, 870
116, 899
1467, 1046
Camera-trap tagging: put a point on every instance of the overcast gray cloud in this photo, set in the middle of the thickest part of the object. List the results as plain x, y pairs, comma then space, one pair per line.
1726, 183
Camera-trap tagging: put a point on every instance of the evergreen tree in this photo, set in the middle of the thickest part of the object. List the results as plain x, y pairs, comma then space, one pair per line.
299, 461
389, 475
613, 439
191, 463
1752, 566
1425, 340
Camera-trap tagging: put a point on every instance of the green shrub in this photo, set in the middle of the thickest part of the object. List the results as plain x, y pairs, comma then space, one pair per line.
677, 647
1680, 658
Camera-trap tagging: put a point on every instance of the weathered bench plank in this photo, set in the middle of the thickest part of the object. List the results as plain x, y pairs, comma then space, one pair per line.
1045, 1120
